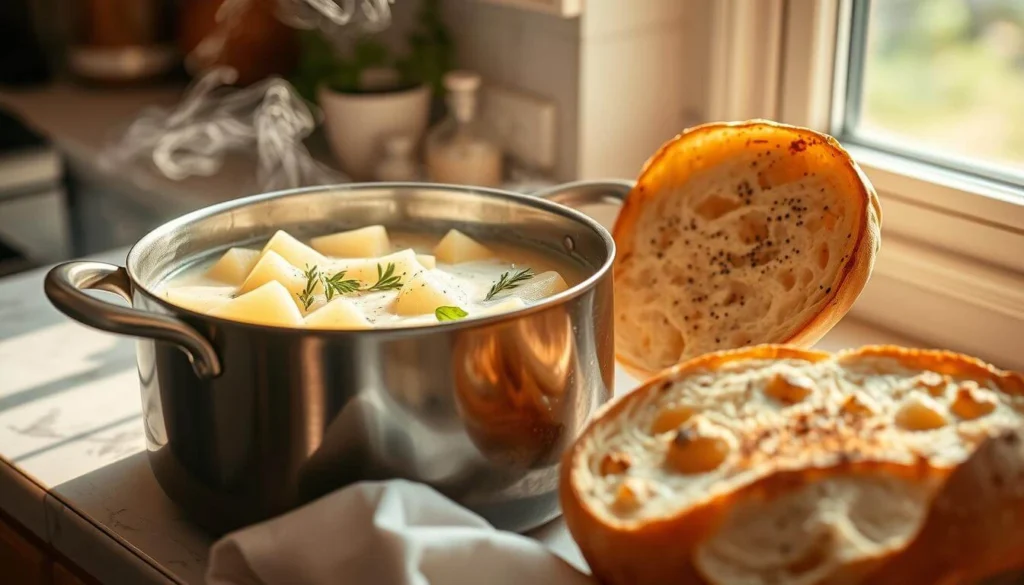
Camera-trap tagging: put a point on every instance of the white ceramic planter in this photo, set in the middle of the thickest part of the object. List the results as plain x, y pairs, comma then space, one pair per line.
357, 124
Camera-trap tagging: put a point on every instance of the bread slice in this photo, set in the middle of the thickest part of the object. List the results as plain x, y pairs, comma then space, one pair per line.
740, 234
983, 500
777, 465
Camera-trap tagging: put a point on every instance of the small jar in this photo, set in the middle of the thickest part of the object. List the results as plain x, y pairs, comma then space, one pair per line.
460, 149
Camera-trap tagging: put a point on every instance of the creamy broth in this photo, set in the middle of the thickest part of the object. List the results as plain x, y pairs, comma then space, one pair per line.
288, 282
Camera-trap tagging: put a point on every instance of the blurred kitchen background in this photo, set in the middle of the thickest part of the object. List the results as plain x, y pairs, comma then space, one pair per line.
117, 115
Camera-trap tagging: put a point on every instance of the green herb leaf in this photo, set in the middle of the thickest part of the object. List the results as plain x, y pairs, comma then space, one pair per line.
386, 279
370, 53
337, 285
450, 313
509, 281
312, 277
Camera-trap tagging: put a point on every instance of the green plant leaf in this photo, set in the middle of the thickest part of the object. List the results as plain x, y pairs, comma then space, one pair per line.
431, 54
343, 79
370, 53
450, 313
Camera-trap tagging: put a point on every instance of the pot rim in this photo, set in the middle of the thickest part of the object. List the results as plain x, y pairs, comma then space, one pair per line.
530, 200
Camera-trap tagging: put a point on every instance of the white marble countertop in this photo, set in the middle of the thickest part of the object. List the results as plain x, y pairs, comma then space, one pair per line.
73, 467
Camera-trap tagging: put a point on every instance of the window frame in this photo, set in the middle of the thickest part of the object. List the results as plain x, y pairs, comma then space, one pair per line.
950, 272
846, 117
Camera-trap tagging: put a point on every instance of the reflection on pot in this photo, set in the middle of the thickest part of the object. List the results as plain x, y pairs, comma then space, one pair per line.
514, 386
247, 421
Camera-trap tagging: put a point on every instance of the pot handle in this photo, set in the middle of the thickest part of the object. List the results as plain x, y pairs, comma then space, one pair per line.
588, 192
64, 286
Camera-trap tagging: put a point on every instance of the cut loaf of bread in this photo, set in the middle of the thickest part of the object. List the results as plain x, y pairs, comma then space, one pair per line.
782, 466
740, 234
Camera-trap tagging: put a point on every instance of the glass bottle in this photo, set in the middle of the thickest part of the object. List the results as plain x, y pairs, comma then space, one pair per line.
459, 149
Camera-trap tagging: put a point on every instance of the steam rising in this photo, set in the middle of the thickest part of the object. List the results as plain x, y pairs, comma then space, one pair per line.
212, 119
376, 14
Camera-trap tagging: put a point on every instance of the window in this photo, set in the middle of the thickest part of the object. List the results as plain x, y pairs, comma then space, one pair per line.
940, 81
928, 98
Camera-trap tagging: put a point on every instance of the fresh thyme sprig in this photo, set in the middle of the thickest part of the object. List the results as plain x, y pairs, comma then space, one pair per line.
509, 281
336, 285
312, 277
386, 279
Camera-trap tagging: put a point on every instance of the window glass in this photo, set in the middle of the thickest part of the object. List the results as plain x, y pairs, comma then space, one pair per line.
940, 80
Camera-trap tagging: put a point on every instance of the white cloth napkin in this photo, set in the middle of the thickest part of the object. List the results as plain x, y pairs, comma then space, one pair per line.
386, 533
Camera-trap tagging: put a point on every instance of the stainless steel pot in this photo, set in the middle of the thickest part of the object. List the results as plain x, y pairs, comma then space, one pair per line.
244, 422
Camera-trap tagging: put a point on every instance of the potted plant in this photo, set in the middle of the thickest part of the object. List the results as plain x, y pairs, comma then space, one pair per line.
369, 95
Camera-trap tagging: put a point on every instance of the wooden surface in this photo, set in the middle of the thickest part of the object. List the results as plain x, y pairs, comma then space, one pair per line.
25, 560
64, 576
21, 561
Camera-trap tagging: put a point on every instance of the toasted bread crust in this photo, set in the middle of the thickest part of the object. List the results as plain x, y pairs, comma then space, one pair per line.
662, 549
975, 527
717, 143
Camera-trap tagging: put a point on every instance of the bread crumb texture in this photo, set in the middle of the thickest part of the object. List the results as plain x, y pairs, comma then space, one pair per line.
737, 235
805, 462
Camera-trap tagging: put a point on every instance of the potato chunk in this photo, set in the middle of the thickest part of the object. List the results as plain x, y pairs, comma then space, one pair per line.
537, 288
295, 252
270, 304
456, 247
365, 271
272, 267
338, 314
234, 265
368, 242
426, 291
201, 299
427, 260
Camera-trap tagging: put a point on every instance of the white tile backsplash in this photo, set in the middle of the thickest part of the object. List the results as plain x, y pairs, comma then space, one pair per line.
551, 69
625, 76
533, 52
550, 25
617, 75
639, 87
605, 18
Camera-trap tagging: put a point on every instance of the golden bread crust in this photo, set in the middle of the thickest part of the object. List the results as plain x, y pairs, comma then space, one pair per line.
975, 526
710, 149
666, 548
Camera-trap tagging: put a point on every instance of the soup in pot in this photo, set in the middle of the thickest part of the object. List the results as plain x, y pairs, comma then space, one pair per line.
368, 278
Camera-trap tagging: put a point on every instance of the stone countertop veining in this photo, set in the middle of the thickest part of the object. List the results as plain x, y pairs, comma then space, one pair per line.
71, 436
73, 467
